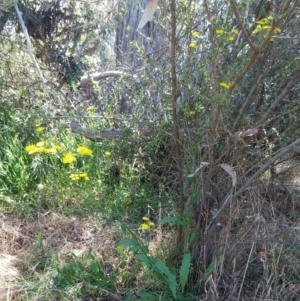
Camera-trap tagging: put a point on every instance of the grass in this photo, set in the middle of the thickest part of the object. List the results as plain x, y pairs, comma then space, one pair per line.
72, 230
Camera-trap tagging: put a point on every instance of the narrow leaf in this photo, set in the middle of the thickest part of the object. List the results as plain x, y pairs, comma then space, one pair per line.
184, 270
131, 244
212, 267
202, 164
163, 269
148, 260
230, 171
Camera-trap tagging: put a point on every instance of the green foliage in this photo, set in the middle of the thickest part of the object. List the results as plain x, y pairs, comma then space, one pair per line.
86, 271
165, 275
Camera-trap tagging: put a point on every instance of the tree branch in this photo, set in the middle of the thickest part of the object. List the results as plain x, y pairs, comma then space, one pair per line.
242, 27
88, 79
284, 92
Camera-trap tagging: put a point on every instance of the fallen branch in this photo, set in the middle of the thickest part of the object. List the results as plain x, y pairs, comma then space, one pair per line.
88, 79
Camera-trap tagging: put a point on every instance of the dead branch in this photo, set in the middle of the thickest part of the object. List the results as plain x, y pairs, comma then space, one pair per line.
88, 79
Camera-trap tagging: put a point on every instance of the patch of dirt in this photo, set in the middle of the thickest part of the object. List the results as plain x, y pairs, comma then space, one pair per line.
60, 235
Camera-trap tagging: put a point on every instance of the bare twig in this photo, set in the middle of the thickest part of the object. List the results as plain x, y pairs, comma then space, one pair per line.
33, 60
230, 197
281, 96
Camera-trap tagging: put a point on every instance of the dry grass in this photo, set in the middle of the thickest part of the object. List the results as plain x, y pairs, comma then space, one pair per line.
62, 236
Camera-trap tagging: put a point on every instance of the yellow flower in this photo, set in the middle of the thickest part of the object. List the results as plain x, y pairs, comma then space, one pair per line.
57, 147
144, 226
31, 149
263, 22
188, 112
84, 176
193, 45
257, 29
40, 144
270, 39
231, 38
90, 110
40, 149
265, 27
50, 150
151, 224
84, 151
78, 176
145, 218
40, 129
107, 153
74, 176
278, 30
235, 31
195, 33
220, 31
68, 158
224, 85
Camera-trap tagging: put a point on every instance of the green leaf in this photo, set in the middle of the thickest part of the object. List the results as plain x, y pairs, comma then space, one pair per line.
148, 260
163, 269
171, 219
133, 246
212, 267
184, 270
186, 183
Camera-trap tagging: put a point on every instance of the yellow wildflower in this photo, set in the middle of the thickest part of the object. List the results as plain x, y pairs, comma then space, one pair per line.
270, 39
40, 149
40, 129
235, 31
231, 38
90, 110
263, 22
68, 158
151, 224
266, 27
31, 149
84, 151
145, 218
220, 31
224, 85
107, 153
57, 147
84, 176
50, 150
144, 226
257, 29
193, 45
78, 176
195, 33
74, 176
40, 144
278, 30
